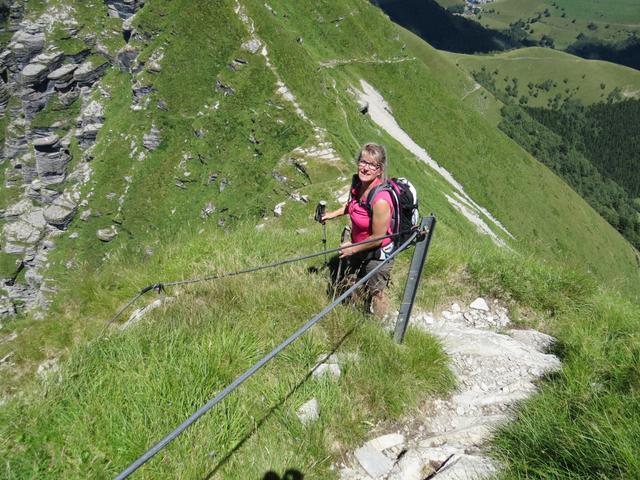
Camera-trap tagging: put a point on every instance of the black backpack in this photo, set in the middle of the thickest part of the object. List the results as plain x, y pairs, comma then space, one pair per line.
405, 205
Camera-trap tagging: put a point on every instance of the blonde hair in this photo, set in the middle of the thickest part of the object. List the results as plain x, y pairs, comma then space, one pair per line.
376, 153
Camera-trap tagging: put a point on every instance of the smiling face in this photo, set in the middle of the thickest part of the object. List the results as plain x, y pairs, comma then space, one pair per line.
368, 168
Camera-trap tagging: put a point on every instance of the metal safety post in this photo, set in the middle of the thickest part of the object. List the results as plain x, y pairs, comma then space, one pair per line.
413, 279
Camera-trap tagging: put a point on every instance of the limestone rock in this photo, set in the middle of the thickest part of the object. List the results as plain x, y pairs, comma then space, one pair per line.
88, 72
480, 304
89, 123
309, 412
151, 140
207, 210
60, 212
126, 57
385, 442
26, 44
63, 75
123, 8
107, 234
376, 464
411, 467
33, 74
253, 45
331, 370
277, 210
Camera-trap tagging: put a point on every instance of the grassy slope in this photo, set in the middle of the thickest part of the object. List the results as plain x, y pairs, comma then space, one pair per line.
622, 17
103, 409
572, 76
458, 81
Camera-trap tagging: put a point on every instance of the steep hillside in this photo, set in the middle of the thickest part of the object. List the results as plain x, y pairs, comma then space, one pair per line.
166, 139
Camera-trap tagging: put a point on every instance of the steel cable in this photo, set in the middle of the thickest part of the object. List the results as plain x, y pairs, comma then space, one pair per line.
248, 373
161, 285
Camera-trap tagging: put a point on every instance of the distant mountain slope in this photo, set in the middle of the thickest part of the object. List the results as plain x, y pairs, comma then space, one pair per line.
543, 74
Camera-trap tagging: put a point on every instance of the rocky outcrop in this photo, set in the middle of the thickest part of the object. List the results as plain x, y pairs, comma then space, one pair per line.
60, 213
51, 159
32, 73
89, 122
123, 8
151, 140
89, 72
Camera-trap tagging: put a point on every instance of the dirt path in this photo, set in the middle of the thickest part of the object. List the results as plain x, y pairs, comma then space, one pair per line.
495, 367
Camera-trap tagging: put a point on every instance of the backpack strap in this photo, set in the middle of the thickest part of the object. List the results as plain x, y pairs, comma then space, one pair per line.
388, 186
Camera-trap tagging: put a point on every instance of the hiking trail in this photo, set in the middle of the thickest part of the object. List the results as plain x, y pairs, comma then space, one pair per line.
495, 367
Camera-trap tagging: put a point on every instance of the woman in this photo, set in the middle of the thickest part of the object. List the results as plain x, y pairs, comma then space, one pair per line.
361, 259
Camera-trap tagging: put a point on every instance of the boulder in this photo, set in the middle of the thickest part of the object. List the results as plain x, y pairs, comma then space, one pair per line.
63, 74
26, 44
480, 304
152, 140
252, 45
277, 211
107, 234
126, 57
33, 74
123, 9
60, 212
376, 464
309, 412
52, 59
88, 72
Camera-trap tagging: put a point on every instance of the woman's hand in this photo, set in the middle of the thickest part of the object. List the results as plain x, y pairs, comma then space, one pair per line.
346, 250
336, 213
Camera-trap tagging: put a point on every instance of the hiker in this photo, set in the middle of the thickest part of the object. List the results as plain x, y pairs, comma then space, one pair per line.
361, 259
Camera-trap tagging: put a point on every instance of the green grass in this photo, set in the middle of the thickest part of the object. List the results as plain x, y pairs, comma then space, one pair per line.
552, 74
566, 20
212, 333
117, 394
458, 81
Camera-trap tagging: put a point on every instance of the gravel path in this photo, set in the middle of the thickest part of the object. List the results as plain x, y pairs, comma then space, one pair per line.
495, 368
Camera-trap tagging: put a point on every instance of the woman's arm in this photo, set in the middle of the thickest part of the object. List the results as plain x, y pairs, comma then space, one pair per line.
379, 225
336, 213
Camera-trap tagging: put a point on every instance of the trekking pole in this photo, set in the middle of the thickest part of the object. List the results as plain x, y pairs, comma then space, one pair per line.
346, 235
321, 208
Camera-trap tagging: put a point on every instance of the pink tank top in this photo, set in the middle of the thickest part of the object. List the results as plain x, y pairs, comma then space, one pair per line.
360, 221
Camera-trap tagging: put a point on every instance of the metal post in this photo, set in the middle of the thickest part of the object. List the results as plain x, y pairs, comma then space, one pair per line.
413, 279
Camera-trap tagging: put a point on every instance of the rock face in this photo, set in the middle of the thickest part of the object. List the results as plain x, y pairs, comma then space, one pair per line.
123, 8
36, 156
494, 371
89, 123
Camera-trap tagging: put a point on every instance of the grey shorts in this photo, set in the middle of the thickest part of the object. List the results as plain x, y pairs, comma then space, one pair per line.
360, 266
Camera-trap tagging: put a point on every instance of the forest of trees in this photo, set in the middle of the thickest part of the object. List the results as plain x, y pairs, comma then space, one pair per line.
565, 155
608, 134
595, 148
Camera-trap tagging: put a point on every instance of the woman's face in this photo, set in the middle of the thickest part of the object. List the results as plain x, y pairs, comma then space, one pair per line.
368, 168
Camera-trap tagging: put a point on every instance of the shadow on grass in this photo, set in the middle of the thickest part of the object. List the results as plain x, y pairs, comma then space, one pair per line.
289, 474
